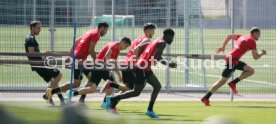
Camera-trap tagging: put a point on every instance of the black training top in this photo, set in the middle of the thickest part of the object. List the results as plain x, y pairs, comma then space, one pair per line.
30, 41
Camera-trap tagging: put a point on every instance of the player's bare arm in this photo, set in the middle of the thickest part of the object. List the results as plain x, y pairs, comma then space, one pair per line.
107, 56
257, 55
92, 50
32, 50
143, 43
226, 41
158, 56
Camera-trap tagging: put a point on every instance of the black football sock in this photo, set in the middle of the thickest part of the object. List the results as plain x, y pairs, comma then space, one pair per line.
237, 80
150, 108
104, 100
208, 95
82, 98
114, 85
60, 97
56, 90
76, 93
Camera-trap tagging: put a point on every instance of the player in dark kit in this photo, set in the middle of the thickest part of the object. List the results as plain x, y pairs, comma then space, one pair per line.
49, 75
243, 44
151, 54
85, 46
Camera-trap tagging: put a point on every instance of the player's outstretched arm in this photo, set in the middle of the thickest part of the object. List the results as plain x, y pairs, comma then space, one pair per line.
92, 50
31, 50
158, 56
226, 41
257, 55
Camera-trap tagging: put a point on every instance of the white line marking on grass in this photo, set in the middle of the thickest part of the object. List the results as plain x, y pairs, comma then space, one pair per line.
246, 80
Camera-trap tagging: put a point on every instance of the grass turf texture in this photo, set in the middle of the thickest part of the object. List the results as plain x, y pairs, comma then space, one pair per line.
170, 112
12, 40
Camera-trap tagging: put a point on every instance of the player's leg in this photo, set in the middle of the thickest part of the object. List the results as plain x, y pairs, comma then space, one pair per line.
55, 83
86, 90
155, 83
227, 72
108, 77
139, 85
96, 77
108, 92
65, 87
88, 76
128, 80
48, 75
114, 84
247, 72
128, 83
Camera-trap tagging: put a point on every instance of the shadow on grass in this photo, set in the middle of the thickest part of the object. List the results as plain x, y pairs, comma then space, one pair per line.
55, 107
143, 113
163, 117
167, 115
168, 119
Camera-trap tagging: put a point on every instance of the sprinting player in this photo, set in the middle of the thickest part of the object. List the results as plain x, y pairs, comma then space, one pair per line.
49, 75
136, 48
152, 52
85, 46
109, 52
243, 44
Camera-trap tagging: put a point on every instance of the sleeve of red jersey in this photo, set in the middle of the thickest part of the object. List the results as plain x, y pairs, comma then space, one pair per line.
252, 45
238, 36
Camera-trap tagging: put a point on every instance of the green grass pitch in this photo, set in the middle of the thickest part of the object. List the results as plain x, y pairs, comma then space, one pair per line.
133, 112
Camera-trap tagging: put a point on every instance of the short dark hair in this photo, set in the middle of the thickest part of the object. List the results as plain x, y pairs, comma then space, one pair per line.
254, 30
168, 32
149, 26
34, 23
103, 24
126, 40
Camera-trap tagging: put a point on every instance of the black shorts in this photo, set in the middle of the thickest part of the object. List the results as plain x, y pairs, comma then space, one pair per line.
47, 74
78, 73
98, 75
148, 74
128, 78
139, 77
229, 70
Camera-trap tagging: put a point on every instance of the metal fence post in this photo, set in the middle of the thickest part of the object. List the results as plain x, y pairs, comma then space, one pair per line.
25, 13
244, 14
34, 10
113, 20
186, 40
67, 13
232, 31
168, 25
52, 25
203, 51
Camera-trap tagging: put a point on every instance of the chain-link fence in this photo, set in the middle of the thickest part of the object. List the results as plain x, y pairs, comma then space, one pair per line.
200, 25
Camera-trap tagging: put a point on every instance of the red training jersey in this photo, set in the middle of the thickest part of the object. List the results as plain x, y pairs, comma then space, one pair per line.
83, 43
130, 56
243, 44
148, 55
113, 46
